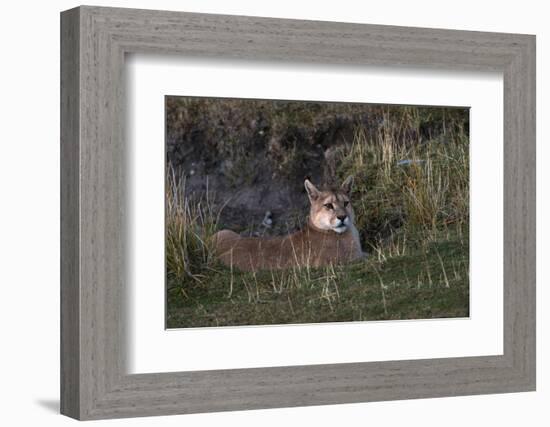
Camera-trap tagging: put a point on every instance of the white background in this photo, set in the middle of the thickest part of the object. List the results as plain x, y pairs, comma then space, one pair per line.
153, 349
29, 224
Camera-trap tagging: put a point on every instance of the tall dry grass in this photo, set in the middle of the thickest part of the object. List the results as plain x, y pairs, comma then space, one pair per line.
190, 224
409, 185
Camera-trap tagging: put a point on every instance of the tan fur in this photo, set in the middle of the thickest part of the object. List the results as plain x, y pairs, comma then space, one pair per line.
325, 240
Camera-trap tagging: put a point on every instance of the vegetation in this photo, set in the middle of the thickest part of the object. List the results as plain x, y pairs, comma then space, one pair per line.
411, 203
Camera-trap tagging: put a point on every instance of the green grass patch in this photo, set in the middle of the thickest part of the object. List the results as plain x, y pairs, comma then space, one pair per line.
428, 280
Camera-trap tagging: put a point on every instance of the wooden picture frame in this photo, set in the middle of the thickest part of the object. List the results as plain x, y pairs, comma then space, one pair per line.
94, 41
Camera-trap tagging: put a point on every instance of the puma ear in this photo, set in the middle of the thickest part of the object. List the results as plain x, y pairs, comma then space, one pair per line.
312, 191
347, 184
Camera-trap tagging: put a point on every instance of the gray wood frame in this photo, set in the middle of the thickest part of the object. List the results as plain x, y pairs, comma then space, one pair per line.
94, 383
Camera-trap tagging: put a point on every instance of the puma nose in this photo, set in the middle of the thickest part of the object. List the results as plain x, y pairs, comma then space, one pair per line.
341, 217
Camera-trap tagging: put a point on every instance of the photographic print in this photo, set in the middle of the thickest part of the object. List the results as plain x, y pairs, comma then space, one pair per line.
291, 212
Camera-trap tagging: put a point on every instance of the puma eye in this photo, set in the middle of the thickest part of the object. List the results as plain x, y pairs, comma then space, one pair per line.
346, 204
329, 206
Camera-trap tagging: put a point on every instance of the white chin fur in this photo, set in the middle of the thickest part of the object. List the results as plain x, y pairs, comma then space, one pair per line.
340, 229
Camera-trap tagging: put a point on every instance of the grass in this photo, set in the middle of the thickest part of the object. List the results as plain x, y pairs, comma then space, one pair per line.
411, 205
425, 282
190, 224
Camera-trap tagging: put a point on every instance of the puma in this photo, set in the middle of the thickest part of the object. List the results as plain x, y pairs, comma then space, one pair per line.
329, 237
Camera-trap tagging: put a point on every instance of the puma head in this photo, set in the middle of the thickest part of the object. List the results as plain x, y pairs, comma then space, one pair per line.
331, 208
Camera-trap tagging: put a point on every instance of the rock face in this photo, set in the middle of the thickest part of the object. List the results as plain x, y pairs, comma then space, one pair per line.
253, 155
